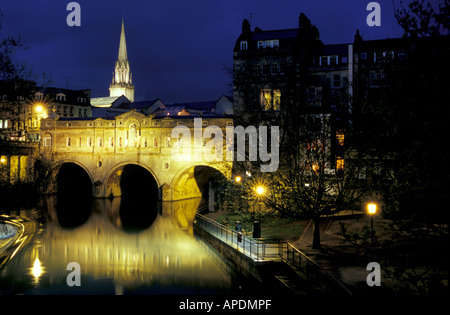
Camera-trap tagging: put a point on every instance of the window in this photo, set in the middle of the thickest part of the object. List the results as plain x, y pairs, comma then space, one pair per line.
100, 141
270, 99
337, 80
3, 123
333, 60
167, 142
257, 69
244, 45
68, 142
120, 142
145, 142
340, 137
275, 68
328, 60
363, 56
266, 69
38, 96
60, 97
155, 142
81, 100
270, 43
47, 141
383, 56
111, 141
344, 60
89, 142
339, 163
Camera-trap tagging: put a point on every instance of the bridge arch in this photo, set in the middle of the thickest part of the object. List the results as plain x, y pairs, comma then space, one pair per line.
74, 189
137, 187
190, 180
112, 187
57, 170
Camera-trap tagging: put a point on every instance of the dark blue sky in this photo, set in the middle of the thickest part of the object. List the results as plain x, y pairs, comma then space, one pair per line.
177, 48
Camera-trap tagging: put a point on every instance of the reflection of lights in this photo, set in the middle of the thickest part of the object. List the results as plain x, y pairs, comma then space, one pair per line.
37, 270
248, 173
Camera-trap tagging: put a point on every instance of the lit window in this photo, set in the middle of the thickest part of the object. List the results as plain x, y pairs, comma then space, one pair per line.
339, 163
244, 45
100, 141
270, 99
89, 141
155, 142
167, 142
68, 142
111, 141
340, 137
261, 44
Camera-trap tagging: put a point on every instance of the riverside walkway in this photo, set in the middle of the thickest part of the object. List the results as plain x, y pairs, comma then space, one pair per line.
283, 252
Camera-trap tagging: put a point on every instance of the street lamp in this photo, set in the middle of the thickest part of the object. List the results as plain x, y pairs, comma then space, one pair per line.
39, 109
238, 179
372, 210
260, 191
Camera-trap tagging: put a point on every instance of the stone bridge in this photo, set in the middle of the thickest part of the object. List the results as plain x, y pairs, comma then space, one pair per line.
104, 147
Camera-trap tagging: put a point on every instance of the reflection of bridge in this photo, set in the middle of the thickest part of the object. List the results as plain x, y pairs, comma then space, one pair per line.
161, 257
102, 147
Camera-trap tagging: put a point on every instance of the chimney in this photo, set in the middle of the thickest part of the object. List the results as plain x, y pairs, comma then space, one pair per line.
246, 26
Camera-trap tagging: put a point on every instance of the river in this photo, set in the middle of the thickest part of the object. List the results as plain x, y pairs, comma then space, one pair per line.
118, 251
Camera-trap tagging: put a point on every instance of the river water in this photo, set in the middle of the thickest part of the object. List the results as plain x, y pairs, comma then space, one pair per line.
142, 253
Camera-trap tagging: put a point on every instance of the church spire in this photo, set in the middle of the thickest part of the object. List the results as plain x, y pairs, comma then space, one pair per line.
122, 45
121, 83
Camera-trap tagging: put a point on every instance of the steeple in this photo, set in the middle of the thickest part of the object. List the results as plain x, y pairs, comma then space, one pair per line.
122, 79
122, 45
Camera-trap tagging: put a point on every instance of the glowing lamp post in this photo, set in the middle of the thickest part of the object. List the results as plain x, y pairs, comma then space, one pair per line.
372, 210
259, 190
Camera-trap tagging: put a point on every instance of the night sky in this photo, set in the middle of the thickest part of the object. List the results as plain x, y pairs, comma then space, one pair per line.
177, 48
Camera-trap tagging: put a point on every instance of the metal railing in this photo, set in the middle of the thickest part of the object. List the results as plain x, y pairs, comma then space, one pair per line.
305, 265
255, 249
260, 251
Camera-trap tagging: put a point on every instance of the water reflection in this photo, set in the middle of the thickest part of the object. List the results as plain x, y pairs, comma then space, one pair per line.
159, 257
